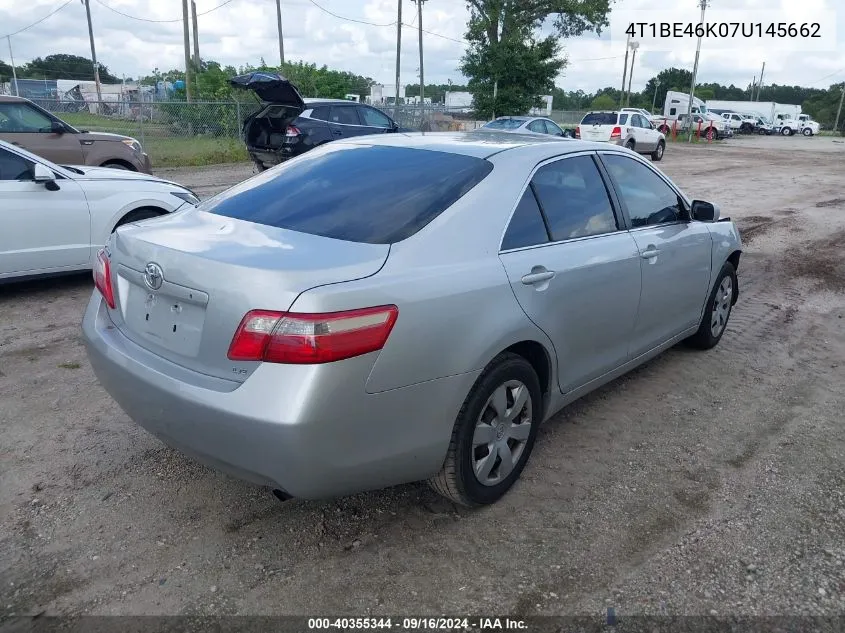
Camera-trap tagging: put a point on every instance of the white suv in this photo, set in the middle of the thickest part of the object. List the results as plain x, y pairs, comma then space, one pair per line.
629, 129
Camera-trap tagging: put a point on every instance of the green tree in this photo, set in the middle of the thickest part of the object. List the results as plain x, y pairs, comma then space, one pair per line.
64, 66
603, 102
507, 55
668, 79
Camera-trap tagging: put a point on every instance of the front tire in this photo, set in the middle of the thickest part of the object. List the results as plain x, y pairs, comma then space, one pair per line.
493, 435
714, 322
657, 155
807, 132
786, 131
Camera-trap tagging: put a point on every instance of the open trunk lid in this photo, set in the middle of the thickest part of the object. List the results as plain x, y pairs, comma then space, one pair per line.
184, 282
270, 88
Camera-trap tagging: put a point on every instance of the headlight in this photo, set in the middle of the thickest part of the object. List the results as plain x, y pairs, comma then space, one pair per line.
131, 142
187, 196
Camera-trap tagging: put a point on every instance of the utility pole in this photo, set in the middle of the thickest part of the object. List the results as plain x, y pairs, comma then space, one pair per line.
93, 54
281, 37
187, 38
634, 47
422, 76
753, 86
624, 73
654, 100
196, 35
839, 111
703, 5
760, 85
14, 70
398, 57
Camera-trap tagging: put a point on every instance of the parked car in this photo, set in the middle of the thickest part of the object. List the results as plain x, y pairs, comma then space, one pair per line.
628, 129
288, 125
712, 127
26, 125
404, 309
55, 218
648, 116
526, 125
740, 123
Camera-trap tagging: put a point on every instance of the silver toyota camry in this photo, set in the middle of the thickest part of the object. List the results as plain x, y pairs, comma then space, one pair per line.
397, 308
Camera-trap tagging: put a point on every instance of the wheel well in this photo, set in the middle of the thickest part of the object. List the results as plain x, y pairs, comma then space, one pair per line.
122, 163
129, 217
733, 258
538, 357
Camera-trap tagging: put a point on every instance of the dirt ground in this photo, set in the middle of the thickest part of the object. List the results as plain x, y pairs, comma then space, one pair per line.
700, 483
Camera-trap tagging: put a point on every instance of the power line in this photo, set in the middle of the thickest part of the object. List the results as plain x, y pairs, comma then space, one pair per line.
348, 19
135, 17
827, 76
37, 22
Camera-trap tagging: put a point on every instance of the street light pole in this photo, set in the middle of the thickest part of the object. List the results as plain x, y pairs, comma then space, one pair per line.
654, 100
839, 111
703, 5
634, 47
624, 74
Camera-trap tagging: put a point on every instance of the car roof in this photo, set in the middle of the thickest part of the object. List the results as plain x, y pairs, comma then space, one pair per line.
480, 143
311, 101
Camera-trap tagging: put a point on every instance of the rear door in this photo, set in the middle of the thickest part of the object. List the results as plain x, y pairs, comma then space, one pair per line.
26, 126
42, 230
573, 271
647, 137
675, 251
344, 121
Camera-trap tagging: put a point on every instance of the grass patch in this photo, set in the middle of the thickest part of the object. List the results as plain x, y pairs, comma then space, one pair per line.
69, 365
195, 151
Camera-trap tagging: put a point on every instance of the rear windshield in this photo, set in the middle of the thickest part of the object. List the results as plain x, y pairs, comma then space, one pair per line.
504, 124
599, 118
372, 194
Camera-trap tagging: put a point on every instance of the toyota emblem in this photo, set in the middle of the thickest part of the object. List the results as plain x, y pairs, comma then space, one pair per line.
153, 276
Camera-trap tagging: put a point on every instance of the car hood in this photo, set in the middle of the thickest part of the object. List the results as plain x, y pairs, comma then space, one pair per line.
270, 88
109, 173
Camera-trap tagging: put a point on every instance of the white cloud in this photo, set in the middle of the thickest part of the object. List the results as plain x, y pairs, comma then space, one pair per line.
245, 30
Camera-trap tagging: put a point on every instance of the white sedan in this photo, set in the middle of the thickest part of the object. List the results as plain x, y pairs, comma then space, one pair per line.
55, 218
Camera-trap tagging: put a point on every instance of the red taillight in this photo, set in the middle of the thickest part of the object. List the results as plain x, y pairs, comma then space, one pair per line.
577, 131
292, 131
304, 339
102, 277
616, 133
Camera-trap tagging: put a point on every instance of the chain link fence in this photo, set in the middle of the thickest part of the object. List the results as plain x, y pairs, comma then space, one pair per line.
177, 133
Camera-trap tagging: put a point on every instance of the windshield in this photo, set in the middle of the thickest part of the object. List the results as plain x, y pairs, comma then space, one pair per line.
504, 124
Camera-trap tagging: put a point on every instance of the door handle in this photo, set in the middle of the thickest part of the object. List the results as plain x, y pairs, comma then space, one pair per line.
650, 253
337, 132
537, 277
16, 144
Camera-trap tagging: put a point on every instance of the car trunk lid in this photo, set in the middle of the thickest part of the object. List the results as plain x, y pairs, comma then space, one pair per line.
270, 88
183, 283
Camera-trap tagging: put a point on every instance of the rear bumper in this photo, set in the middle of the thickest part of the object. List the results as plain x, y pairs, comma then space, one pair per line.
311, 431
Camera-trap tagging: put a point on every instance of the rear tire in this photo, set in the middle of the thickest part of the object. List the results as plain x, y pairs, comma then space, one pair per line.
493, 433
786, 131
139, 214
631, 145
717, 312
657, 155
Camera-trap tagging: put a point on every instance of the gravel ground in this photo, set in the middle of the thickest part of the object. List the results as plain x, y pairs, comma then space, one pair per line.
702, 483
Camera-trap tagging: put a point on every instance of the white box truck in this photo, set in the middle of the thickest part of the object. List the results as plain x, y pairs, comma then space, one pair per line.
785, 118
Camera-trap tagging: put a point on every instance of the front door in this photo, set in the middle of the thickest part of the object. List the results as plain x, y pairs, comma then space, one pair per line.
26, 126
575, 274
374, 121
42, 230
675, 252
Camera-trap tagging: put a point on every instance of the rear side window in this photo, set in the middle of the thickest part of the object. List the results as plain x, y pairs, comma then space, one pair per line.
504, 124
574, 199
599, 118
356, 193
526, 227
623, 119
345, 115
320, 113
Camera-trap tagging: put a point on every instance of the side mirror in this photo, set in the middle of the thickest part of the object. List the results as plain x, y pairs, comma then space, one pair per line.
704, 211
57, 127
45, 176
